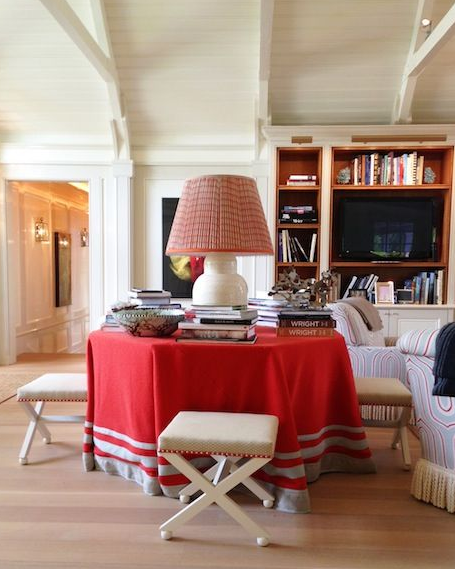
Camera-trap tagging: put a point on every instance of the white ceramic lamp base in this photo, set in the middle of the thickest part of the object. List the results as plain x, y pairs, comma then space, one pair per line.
220, 285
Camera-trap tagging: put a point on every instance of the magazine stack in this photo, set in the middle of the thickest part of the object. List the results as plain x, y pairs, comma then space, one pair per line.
231, 324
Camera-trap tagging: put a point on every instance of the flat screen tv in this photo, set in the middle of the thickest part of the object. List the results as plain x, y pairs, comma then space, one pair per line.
388, 229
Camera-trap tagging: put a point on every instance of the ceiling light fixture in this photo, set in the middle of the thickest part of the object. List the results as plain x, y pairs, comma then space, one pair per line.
426, 25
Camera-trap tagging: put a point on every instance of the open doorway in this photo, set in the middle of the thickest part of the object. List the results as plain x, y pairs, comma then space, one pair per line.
48, 266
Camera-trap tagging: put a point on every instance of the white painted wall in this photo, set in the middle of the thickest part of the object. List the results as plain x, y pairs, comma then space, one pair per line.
40, 326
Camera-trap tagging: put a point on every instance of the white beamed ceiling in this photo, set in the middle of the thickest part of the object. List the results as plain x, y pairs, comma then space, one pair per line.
188, 70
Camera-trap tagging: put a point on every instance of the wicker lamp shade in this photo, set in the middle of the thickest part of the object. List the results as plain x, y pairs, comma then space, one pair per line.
219, 217
219, 214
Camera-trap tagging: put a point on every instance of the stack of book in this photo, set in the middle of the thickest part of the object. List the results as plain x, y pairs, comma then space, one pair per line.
268, 310
148, 298
301, 180
109, 324
364, 282
233, 324
298, 214
306, 323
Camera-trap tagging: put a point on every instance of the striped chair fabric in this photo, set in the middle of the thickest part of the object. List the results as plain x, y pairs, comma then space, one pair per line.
370, 357
434, 476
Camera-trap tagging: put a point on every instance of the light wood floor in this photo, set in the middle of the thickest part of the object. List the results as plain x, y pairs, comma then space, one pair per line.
55, 515
47, 363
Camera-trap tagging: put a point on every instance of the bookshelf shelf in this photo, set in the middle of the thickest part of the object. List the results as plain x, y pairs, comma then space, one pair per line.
393, 173
297, 243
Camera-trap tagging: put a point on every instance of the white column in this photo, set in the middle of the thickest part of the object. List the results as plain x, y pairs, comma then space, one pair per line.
7, 348
118, 235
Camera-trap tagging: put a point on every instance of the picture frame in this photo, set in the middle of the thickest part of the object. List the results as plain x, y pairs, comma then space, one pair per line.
384, 292
62, 258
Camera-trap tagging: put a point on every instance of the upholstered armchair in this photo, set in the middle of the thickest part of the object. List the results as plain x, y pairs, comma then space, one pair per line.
434, 475
370, 354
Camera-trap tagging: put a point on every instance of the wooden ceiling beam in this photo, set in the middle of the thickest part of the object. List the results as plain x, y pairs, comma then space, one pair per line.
119, 128
265, 52
440, 35
101, 58
403, 101
68, 20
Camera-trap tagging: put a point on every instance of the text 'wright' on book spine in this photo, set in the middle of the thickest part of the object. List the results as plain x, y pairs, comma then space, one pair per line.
305, 332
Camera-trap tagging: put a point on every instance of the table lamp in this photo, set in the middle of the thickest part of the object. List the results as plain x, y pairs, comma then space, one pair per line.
219, 217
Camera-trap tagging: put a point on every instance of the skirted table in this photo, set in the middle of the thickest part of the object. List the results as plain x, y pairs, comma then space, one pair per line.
137, 385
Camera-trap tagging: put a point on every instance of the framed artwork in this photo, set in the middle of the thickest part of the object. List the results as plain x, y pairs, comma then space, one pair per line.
62, 258
384, 293
176, 270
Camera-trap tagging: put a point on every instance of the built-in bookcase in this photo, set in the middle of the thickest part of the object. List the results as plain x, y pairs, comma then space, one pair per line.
384, 173
298, 201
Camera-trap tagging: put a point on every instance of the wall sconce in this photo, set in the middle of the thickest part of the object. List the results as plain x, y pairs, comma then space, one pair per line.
84, 237
41, 230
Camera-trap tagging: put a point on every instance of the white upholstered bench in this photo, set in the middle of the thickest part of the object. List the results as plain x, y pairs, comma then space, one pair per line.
389, 393
228, 438
59, 387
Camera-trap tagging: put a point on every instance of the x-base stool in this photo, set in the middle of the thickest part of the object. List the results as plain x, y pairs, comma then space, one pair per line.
61, 387
228, 438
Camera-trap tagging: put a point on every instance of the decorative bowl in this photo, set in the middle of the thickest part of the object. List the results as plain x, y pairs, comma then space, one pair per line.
149, 322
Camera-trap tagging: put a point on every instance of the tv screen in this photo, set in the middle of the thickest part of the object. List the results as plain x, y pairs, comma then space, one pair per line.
387, 229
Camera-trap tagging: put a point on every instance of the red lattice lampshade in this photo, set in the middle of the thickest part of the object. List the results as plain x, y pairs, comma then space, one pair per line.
219, 214
219, 217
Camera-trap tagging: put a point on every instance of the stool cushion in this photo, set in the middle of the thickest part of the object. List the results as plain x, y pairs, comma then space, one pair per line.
231, 434
382, 391
55, 387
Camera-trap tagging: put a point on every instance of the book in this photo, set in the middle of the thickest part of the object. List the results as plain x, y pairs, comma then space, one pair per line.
191, 325
306, 312
301, 249
247, 313
217, 308
231, 321
149, 301
212, 334
305, 332
312, 247
148, 293
307, 323
247, 342
350, 285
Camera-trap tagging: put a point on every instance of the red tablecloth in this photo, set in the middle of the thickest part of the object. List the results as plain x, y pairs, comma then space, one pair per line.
137, 385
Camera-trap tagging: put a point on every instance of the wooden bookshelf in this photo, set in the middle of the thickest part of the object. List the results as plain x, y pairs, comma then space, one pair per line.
302, 229
384, 185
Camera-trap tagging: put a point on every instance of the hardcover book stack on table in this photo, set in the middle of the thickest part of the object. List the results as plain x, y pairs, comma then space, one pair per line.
306, 323
268, 310
233, 324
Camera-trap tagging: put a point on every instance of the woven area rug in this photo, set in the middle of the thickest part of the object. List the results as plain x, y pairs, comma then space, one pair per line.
11, 380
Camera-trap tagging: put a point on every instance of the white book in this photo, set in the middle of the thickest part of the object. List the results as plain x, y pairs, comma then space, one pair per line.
313, 247
439, 285
284, 244
373, 281
350, 285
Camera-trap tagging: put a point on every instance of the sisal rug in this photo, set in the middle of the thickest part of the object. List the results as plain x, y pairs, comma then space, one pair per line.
11, 380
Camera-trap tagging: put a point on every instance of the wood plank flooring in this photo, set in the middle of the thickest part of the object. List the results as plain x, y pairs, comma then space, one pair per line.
55, 515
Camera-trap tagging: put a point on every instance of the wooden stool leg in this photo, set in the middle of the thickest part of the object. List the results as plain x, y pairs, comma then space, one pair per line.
403, 428
215, 493
220, 470
35, 423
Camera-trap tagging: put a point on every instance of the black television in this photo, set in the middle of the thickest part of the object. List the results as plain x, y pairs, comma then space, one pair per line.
388, 229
